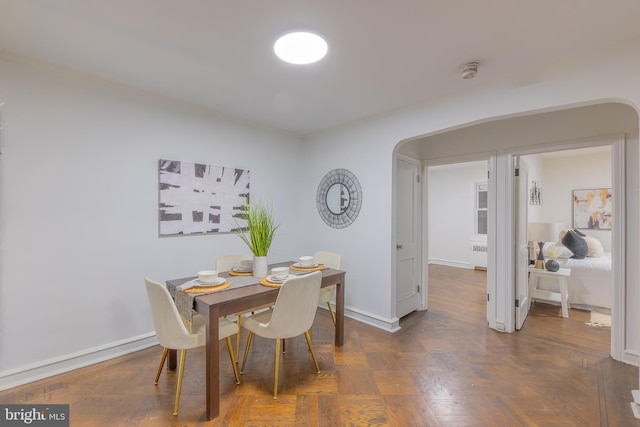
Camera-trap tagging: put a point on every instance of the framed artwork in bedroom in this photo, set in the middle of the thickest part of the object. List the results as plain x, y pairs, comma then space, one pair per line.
593, 209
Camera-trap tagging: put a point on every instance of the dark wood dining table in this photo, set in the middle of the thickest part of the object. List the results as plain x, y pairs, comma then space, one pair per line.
219, 304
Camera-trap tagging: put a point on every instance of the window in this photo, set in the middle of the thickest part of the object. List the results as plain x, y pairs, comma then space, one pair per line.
481, 209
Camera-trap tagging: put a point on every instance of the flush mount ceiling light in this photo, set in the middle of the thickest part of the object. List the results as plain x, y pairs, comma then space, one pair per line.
469, 69
300, 48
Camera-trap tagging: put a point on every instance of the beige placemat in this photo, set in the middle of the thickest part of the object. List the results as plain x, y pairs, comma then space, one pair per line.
317, 267
208, 289
265, 282
240, 273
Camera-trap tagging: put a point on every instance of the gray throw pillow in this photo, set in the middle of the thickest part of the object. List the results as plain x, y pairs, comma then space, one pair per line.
576, 244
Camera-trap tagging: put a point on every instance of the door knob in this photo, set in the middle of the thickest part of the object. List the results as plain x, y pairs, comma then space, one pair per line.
398, 247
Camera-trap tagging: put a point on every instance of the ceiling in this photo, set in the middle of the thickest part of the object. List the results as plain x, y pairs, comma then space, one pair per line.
383, 55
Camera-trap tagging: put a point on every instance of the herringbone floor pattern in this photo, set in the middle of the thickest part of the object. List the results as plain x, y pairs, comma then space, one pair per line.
444, 368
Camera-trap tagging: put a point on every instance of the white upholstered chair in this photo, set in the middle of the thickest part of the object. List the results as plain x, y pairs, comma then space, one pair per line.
330, 260
173, 334
227, 262
292, 315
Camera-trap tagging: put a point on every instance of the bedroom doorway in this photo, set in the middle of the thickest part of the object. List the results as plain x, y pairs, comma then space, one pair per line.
556, 179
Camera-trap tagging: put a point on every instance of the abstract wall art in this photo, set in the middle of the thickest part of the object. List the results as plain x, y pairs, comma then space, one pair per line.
196, 198
593, 209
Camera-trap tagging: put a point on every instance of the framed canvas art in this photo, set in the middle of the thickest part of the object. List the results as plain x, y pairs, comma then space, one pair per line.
593, 209
196, 198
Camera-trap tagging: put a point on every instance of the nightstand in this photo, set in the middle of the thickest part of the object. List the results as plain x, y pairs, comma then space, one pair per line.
561, 277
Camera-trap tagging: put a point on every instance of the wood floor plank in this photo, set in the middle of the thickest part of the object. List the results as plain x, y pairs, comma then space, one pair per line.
445, 367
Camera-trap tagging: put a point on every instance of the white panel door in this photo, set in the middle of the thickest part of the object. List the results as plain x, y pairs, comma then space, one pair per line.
407, 237
522, 249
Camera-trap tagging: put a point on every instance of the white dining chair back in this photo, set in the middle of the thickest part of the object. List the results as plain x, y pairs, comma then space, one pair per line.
227, 262
173, 334
294, 309
330, 260
170, 329
292, 315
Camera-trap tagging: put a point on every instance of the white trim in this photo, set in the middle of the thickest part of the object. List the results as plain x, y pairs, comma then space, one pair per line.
68, 362
631, 357
618, 247
450, 263
385, 323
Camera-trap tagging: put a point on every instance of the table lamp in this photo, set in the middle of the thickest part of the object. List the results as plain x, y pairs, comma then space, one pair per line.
542, 232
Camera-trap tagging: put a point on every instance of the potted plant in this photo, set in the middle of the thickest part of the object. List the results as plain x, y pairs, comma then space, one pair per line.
261, 226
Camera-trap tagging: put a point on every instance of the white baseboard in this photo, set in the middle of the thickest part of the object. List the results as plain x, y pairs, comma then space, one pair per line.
451, 263
384, 323
631, 357
58, 365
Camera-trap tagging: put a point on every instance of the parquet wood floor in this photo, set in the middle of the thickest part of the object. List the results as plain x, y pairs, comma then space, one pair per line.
444, 368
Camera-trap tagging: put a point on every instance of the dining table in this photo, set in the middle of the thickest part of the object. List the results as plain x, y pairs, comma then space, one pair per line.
249, 295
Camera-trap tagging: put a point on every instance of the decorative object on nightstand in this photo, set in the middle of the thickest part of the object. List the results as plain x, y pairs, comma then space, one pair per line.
552, 254
542, 232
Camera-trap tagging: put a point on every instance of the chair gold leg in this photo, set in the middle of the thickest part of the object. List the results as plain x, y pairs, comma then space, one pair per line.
246, 351
307, 335
164, 357
333, 315
275, 380
233, 362
183, 357
238, 339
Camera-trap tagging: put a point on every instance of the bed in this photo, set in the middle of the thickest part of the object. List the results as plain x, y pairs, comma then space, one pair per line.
590, 283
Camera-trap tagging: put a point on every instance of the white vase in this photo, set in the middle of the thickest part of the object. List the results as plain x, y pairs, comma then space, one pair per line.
260, 266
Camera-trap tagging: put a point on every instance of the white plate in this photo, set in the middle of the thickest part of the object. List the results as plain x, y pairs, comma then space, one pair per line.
218, 281
242, 270
272, 278
297, 264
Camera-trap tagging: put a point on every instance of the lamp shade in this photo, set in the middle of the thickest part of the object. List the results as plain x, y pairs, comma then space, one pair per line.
545, 231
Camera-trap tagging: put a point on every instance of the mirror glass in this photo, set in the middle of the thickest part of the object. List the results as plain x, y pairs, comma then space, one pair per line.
337, 199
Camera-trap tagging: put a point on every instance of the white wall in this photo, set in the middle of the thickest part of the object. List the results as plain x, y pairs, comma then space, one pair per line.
451, 207
79, 210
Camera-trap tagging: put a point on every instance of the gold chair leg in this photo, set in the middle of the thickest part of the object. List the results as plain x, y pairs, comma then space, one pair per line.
333, 315
183, 357
246, 351
275, 380
164, 357
307, 335
233, 362
238, 339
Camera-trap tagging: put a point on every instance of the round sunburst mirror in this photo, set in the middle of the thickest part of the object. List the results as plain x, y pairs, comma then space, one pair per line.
339, 198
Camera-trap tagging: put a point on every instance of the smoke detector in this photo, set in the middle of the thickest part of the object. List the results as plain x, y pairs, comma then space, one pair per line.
469, 69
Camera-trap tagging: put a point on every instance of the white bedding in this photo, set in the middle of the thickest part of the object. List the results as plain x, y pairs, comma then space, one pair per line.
590, 283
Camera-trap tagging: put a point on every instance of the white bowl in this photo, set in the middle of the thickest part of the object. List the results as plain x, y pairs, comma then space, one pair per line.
280, 272
207, 276
306, 260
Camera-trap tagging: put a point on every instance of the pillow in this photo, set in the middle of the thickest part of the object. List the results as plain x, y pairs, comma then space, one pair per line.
595, 247
562, 251
576, 244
